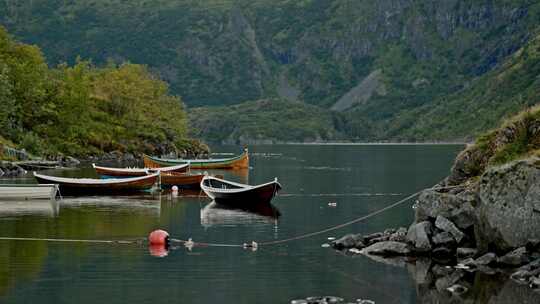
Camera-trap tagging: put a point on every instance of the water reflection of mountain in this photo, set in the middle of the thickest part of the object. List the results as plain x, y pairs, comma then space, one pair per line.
215, 214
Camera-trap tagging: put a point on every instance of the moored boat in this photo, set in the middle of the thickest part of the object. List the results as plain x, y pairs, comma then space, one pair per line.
181, 180
28, 191
238, 162
239, 195
75, 186
132, 172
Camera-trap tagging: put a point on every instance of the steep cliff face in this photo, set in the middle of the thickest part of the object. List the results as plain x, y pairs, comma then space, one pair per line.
313, 51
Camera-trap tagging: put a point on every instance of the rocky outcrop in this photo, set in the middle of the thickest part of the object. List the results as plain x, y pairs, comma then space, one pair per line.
509, 205
489, 224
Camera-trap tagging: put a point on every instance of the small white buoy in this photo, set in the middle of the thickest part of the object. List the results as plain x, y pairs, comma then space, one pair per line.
189, 244
325, 245
331, 238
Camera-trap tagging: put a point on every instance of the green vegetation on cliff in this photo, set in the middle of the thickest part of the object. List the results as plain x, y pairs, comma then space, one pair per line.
432, 59
82, 110
271, 121
517, 137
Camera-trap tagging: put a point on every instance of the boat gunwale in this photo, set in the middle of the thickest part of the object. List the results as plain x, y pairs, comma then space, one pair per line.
147, 171
95, 181
243, 188
196, 161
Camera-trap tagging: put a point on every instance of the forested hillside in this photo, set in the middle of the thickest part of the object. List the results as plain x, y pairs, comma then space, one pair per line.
378, 64
82, 110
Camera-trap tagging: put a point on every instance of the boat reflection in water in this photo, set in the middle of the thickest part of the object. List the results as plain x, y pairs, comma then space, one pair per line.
149, 204
215, 214
14, 208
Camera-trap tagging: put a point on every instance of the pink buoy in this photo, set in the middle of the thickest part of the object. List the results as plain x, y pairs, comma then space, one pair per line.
158, 237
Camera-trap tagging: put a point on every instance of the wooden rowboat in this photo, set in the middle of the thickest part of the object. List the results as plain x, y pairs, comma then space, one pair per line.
181, 180
131, 172
239, 195
75, 186
238, 162
28, 192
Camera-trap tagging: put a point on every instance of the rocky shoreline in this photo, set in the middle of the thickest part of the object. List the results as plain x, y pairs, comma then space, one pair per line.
489, 224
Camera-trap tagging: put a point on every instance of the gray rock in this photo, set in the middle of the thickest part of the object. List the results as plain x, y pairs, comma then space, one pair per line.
444, 282
508, 206
463, 216
442, 253
418, 235
457, 289
443, 239
533, 245
379, 239
388, 248
347, 241
523, 276
534, 282
486, 259
440, 271
469, 262
515, 258
531, 266
446, 225
463, 253
431, 204
420, 271
375, 235
399, 236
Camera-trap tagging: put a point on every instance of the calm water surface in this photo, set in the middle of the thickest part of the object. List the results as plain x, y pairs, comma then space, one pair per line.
359, 178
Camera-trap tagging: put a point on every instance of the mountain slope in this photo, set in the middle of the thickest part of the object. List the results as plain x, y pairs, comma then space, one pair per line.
319, 52
513, 86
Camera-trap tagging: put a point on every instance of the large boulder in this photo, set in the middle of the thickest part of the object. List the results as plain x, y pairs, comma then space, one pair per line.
509, 206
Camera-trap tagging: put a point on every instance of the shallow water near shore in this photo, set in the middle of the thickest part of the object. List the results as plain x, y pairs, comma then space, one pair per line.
359, 179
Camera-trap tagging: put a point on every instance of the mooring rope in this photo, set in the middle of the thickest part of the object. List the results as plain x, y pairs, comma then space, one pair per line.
72, 240
253, 244
308, 235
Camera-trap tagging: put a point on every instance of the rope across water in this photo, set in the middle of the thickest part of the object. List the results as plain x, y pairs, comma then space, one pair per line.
190, 243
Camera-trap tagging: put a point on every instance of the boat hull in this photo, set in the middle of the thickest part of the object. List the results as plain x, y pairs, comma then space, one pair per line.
28, 192
239, 162
238, 195
184, 181
107, 172
115, 186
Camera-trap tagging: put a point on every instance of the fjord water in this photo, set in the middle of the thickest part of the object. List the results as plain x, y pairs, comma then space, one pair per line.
358, 178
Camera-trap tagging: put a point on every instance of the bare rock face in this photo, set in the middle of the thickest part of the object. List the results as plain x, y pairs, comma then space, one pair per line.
418, 235
457, 207
509, 206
